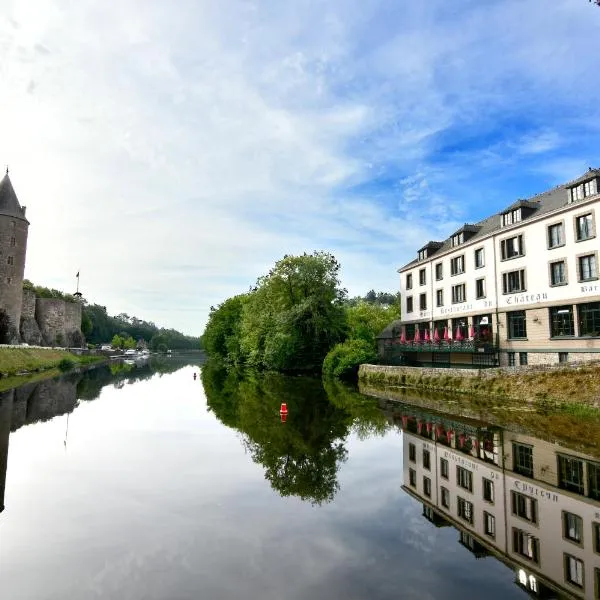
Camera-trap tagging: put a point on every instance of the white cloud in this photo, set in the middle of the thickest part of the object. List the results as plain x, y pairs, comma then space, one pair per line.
172, 154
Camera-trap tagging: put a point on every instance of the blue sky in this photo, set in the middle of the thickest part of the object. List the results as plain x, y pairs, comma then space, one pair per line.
172, 152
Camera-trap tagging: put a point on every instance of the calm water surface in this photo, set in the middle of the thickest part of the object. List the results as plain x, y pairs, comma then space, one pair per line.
133, 485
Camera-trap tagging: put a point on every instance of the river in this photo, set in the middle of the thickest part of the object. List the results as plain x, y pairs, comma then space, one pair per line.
170, 480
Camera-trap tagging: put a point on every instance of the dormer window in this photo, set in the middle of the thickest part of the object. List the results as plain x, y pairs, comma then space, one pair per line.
458, 239
511, 217
583, 190
423, 254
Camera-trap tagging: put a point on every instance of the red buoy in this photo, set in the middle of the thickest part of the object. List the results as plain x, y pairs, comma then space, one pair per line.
283, 417
283, 410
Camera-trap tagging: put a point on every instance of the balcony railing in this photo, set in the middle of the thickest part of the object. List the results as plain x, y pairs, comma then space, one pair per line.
396, 346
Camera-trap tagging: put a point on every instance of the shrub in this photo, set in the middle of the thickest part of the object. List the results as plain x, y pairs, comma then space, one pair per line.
344, 359
65, 364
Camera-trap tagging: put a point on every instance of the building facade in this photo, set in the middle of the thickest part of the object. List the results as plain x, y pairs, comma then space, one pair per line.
13, 248
532, 504
519, 287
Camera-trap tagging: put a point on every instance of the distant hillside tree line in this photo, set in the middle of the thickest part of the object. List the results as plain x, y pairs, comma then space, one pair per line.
99, 327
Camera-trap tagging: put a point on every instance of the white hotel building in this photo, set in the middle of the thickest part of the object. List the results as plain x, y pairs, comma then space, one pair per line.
529, 503
520, 287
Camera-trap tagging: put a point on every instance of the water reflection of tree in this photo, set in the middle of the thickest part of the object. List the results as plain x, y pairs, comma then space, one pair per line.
302, 456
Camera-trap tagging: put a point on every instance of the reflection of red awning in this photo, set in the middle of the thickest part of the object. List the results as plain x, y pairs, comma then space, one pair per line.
404, 421
461, 439
419, 425
439, 430
429, 426
449, 436
476, 444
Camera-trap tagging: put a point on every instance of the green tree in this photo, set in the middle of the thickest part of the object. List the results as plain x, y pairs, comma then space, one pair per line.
129, 343
366, 321
117, 341
345, 358
222, 337
295, 314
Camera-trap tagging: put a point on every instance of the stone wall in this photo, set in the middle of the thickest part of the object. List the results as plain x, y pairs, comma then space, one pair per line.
392, 374
73, 336
30, 331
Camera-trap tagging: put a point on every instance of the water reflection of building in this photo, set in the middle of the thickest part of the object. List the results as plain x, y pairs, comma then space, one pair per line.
531, 504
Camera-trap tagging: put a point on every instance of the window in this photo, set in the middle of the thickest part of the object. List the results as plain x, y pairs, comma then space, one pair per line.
427, 486
422, 277
10, 260
570, 474
596, 536
412, 453
562, 323
444, 468
412, 478
512, 247
13, 241
522, 459
426, 460
517, 324
439, 298
587, 267
572, 527
480, 288
479, 258
510, 217
524, 507
584, 227
556, 235
489, 523
422, 301
445, 497
558, 273
513, 281
594, 481
488, 490
465, 509
574, 570
583, 190
589, 319
458, 239
439, 271
457, 265
526, 545
464, 478
459, 293
511, 359
409, 281
423, 254
522, 358
409, 304
563, 357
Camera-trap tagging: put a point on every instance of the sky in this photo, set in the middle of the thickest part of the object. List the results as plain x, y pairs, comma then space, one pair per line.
172, 152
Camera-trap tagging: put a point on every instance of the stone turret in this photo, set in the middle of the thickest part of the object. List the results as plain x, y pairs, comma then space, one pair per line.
13, 247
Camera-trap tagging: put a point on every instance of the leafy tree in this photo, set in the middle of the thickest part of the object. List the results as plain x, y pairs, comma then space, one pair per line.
221, 338
366, 321
295, 314
129, 343
117, 341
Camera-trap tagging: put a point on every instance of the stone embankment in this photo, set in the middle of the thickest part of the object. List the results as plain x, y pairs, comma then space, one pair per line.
559, 383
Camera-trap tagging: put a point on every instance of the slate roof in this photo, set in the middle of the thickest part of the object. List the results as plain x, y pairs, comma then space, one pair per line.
545, 202
9, 203
393, 330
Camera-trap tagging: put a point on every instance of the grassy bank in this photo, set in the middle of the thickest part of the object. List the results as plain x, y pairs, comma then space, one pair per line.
577, 386
18, 361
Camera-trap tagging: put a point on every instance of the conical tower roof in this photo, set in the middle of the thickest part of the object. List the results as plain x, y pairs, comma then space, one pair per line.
9, 203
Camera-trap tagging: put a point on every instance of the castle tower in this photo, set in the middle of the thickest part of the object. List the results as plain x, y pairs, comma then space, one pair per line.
13, 246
